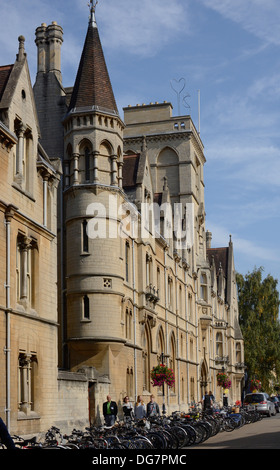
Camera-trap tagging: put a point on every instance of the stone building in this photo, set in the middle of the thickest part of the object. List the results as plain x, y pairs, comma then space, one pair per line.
28, 295
121, 229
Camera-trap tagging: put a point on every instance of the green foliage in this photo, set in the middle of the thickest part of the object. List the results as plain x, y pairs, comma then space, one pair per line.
259, 321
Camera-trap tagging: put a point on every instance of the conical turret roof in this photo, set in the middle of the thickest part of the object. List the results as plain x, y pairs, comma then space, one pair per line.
93, 86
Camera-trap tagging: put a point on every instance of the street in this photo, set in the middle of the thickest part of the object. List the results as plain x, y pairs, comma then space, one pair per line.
264, 434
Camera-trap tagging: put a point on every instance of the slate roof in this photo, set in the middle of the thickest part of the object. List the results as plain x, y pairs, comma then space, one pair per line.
220, 257
5, 72
93, 86
130, 170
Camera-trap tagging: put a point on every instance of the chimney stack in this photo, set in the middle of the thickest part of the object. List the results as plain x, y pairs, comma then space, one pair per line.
49, 40
208, 239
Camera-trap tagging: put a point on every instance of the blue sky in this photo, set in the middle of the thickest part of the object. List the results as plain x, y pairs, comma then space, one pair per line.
227, 49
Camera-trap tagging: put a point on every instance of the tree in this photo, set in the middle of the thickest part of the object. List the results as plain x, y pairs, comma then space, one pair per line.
258, 301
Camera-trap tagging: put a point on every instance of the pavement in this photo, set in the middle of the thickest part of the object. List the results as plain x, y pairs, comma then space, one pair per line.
264, 434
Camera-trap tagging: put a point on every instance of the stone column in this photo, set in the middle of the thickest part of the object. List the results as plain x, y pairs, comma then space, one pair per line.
95, 166
76, 168
114, 170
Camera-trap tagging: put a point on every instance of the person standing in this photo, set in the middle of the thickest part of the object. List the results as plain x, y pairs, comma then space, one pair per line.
127, 408
207, 402
152, 408
110, 411
140, 408
5, 437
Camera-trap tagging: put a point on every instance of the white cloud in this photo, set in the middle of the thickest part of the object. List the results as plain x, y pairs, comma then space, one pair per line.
258, 17
142, 27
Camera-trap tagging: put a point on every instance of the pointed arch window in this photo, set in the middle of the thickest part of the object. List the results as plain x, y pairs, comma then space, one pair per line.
87, 164
219, 344
127, 261
85, 244
203, 287
146, 351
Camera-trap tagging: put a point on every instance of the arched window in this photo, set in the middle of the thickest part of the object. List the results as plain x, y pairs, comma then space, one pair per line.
160, 344
146, 351
85, 236
203, 287
172, 358
87, 164
170, 293
168, 167
128, 323
127, 262
238, 352
219, 344
86, 310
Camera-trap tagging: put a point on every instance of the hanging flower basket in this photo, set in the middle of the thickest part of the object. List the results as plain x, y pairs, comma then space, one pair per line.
255, 385
223, 380
161, 374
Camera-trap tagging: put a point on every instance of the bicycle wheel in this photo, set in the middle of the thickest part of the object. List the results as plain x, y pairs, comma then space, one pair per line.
158, 440
181, 435
191, 433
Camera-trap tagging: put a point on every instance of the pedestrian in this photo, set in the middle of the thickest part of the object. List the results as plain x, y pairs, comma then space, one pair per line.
110, 411
207, 402
5, 437
212, 397
152, 408
140, 408
127, 409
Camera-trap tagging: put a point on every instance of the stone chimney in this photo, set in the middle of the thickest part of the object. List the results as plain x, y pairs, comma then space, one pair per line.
49, 40
208, 239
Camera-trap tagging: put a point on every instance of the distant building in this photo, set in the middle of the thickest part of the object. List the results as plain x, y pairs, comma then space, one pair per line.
91, 204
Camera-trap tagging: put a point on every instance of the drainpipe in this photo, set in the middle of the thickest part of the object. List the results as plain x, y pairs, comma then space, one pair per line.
134, 308
45, 200
187, 337
8, 216
196, 328
177, 334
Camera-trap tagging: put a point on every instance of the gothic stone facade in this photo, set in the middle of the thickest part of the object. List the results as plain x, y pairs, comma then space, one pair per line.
129, 297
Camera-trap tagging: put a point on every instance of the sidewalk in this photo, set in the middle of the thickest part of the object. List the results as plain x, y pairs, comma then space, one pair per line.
264, 434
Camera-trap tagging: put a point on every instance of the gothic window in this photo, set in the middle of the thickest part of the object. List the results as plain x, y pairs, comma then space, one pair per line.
219, 344
25, 270
129, 381
82, 162
87, 164
172, 359
168, 167
86, 308
27, 373
158, 281
160, 345
148, 270
203, 287
170, 293
190, 307
23, 156
127, 261
128, 324
85, 236
146, 350
238, 352
180, 299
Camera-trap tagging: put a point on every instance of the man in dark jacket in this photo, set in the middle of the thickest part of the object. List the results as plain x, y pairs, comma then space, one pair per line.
5, 437
207, 402
110, 411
